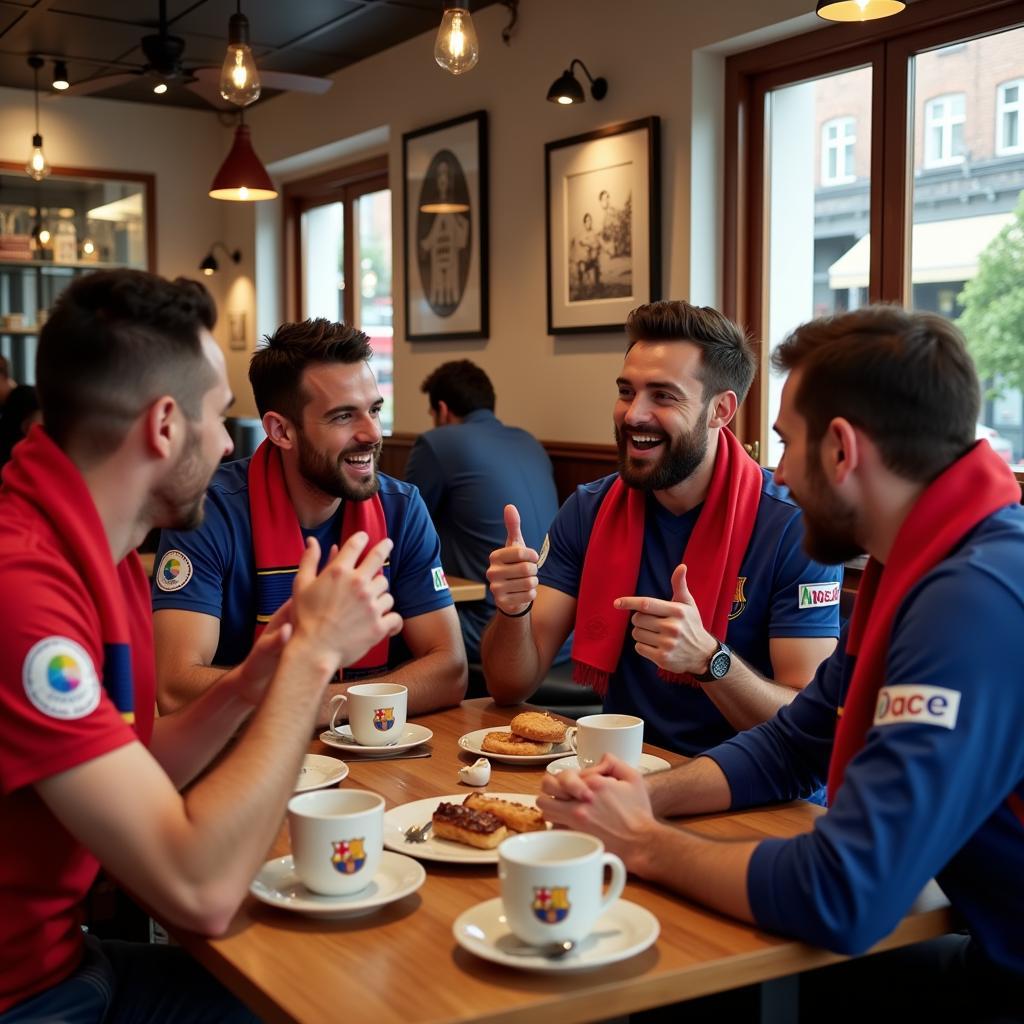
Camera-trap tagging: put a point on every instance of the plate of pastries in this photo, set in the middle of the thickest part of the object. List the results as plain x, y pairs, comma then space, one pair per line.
533, 737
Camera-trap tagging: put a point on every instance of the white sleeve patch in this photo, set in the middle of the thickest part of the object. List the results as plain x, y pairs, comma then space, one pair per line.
923, 705
174, 571
439, 579
817, 595
545, 550
60, 679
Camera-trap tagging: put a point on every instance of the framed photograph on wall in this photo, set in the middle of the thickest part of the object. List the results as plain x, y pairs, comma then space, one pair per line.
444, 169
603, 226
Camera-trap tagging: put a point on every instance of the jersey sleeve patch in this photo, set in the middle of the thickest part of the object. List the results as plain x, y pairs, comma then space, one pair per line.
60, 679
817, 595
545, 549
439, 579
174, 571
919, 705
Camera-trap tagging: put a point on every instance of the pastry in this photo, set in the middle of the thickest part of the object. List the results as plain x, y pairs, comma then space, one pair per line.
539, 727
516, 817
467, 826
510, 743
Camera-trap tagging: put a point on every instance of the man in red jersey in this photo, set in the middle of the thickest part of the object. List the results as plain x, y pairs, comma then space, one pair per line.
133, 391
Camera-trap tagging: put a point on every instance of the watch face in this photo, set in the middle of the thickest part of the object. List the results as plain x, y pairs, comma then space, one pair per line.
719, 665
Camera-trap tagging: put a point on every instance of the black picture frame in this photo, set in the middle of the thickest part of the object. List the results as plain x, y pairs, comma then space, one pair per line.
446, 213
595, 277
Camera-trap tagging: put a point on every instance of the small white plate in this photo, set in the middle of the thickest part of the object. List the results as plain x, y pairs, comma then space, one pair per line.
472, 740
318, 771
412, 736
278, 886
649, 764
624, 930
419, 812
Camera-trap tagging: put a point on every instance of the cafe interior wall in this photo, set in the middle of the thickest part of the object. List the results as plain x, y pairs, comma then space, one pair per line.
660, 57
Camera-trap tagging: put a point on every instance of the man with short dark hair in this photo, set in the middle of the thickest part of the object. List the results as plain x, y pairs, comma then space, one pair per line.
314, 476
466, 469
133, 389
915, 721
690, 547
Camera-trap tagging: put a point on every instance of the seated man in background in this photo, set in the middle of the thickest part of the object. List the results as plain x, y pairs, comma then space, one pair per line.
314, 476
915, 722
133, 390
466, 469
689, 548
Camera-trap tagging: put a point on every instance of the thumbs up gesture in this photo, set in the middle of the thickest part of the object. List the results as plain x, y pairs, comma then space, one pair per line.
512, 573
670, 633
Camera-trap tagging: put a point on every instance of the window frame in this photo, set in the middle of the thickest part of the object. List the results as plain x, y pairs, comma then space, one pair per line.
1001, 110
842, 145
947, 129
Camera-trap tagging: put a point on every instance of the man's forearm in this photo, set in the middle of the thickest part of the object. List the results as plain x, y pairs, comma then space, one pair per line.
697, 787
510, 659
746, 698
186, 685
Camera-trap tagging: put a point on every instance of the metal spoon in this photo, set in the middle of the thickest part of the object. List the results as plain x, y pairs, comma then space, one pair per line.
550, 950
418, 833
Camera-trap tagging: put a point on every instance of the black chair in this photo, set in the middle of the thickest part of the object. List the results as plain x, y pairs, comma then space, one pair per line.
557, 693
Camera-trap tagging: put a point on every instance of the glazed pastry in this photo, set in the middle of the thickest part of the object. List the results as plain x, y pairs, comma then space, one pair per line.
469, 827
517, 817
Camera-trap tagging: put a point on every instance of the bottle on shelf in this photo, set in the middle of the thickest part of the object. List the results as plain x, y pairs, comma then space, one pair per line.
65, 241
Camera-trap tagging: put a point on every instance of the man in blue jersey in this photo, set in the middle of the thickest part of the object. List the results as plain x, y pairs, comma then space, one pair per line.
466, 469
690, 549
215, 588
915, 722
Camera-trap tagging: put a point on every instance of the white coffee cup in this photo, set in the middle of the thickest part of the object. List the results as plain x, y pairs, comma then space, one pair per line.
337, 839
376, 712
593, 736
551, 884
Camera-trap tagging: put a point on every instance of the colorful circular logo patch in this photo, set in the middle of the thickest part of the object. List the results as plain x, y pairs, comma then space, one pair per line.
174, 571
60, 679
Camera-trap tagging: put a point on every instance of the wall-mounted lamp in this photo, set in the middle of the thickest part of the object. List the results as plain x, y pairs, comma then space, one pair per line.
858, 10
37, 168
60, 75
566, 89
210, 266
242, 178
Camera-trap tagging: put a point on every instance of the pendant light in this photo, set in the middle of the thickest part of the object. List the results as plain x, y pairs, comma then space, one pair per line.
242, 178
456, 48
60, 75
37, 168
858, 10
239, 79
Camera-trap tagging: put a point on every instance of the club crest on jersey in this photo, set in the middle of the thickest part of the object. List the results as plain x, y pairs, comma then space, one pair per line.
917, 705
551, 905
383, 719
60, 679
439, 579
817, 595
739, 599
349, 856
174, 571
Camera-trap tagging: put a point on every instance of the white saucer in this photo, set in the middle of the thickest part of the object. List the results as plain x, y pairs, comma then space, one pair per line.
624, 930
279, 886
649, 764
318, 771
412, 736
472, 740
419, 812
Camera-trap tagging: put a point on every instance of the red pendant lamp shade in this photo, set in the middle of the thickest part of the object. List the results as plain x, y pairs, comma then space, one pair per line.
242, 177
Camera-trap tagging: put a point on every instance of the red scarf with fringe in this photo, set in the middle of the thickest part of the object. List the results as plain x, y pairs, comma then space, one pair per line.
713, 555
278, 543
968, 491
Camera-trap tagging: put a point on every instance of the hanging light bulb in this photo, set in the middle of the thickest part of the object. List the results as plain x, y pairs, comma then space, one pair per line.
37, 168
456, 48
239, 79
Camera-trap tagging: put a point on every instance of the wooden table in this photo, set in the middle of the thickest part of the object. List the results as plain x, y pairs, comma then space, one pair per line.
402, 964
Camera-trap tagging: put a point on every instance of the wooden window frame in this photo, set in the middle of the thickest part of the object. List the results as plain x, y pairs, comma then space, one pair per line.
886, 46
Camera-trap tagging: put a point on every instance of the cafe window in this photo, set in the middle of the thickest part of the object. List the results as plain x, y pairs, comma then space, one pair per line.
838, 139
338, 235
901, 232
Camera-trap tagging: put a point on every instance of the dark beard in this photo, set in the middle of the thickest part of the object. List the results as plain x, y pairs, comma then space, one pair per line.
829, 523
327, 476
679, 462
179, 504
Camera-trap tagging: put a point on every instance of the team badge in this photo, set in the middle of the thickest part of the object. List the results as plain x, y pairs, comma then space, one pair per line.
551, 905
739, 599
349, 856
174, 571
439, 579
917, 705
383, 719
60, 679
545, 549
817, 595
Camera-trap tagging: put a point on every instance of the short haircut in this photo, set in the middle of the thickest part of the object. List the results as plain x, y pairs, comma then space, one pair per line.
728, 360
905, 379
116, 341
275, 370
5, 367
461, 385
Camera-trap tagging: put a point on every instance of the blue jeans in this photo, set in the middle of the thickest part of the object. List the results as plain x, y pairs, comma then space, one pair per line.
133, 983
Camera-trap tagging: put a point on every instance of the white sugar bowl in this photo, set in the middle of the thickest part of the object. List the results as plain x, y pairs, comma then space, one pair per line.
476, 774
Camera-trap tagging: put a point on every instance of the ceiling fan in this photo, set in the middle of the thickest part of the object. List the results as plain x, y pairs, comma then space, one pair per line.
164, 66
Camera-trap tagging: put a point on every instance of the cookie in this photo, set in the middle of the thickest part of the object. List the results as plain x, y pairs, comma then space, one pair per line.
515, 816
509, 743
539, 727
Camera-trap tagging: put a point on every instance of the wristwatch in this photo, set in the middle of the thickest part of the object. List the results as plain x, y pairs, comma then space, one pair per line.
718, 664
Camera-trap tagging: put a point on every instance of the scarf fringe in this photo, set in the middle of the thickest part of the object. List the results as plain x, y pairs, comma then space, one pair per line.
588, 675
